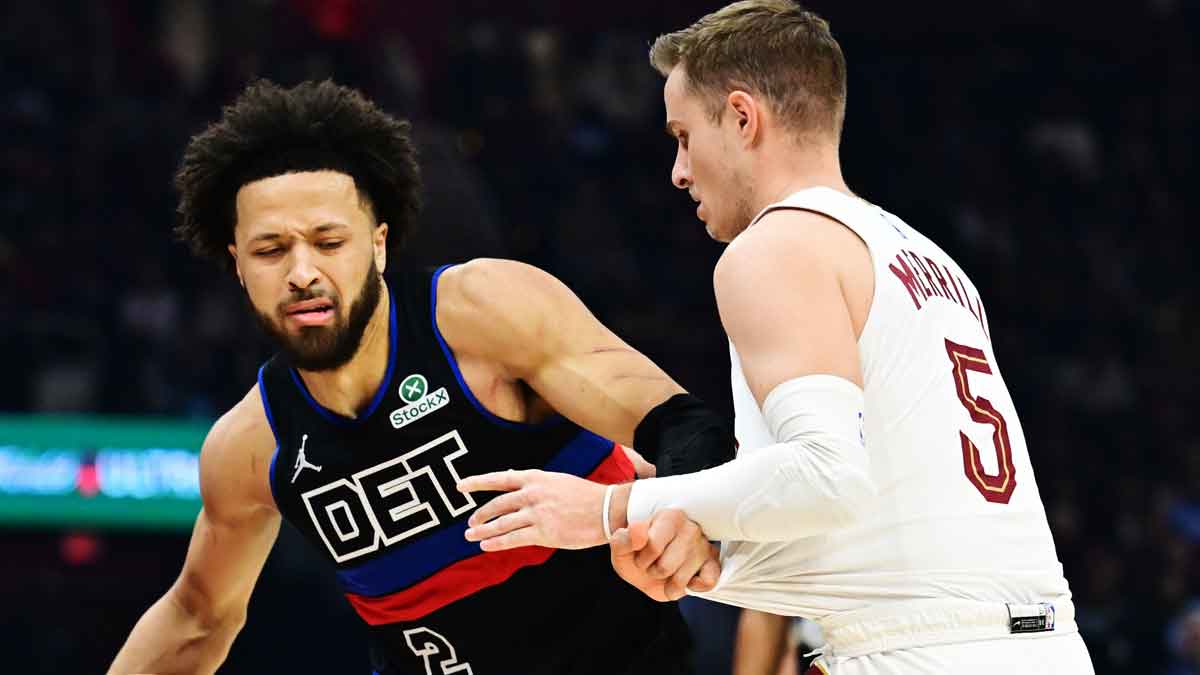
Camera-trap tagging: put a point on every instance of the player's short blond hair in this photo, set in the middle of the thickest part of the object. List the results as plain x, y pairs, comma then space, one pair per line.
772, 48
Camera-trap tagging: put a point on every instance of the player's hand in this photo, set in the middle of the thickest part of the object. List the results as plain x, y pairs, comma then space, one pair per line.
542, 508
665, 557
641, 467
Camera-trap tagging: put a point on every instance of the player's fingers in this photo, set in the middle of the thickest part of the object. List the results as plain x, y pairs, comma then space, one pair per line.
680, 551
506, 503
502, 525
662, 530
707, 579
621, 545
641, 467
639, 534
526, 536
496, 481
621, 557
674, 589
693, 552
645, 557
676, 586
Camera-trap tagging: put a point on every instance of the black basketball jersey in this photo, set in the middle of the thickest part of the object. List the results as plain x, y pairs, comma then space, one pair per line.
376, 494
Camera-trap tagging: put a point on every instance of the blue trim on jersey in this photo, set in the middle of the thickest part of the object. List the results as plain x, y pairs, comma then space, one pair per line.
892, 221
271, 474
462, 383
409, 564
262, 392
379, 393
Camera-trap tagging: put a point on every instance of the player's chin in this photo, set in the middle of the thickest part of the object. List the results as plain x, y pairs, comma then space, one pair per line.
717, 233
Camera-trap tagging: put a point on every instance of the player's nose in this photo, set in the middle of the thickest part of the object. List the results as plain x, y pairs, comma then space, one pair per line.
303, 271
681, 174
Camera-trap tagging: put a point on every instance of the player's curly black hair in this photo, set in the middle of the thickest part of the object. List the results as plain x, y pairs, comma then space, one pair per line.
271, 130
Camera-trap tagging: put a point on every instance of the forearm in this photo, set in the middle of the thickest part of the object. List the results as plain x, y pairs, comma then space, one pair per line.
769, 495
608, 391
815, 480
170, 639
683, 435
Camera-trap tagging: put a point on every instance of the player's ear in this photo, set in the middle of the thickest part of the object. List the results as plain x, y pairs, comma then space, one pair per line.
236, 267
746, 115
380, 243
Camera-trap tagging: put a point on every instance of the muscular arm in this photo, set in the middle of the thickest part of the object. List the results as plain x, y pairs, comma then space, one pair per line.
190, 629
782, 290
539, 332
788, 290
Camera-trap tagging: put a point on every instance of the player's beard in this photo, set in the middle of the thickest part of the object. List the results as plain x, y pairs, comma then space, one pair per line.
725, 226
323, 348
743, 212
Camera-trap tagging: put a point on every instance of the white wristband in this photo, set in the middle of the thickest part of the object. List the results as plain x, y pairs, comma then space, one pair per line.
608, 492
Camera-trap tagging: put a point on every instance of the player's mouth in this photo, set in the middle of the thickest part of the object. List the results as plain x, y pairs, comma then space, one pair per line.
315, 312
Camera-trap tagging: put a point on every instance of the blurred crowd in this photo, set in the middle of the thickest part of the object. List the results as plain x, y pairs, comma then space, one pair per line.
1051, 150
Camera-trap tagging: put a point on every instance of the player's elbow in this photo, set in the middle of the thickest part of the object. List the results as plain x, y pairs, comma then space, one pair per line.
204, 617
850, 496
842, 494
849, 489
815, 489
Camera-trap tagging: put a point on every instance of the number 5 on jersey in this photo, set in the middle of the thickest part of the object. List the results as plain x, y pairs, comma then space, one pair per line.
997, 488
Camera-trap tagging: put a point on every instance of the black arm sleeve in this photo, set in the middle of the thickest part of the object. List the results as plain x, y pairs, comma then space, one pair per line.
683, 435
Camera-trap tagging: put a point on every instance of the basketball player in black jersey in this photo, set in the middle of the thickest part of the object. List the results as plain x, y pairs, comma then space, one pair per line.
384, 395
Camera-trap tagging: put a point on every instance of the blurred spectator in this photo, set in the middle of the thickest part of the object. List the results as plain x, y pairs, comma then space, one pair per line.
1184, 642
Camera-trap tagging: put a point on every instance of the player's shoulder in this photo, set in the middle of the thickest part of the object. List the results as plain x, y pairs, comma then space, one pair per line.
481, 280
245, 424
790, 262
488, 296
236, 457
789, 242
488, 307
794, 233
478, 293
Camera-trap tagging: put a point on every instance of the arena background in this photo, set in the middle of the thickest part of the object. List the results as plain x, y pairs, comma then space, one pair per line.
1050, 147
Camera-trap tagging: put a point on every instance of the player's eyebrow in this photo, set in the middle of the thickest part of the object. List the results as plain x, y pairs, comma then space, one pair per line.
320, 229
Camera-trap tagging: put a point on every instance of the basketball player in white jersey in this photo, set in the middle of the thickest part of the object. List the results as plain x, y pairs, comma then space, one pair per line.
883, 486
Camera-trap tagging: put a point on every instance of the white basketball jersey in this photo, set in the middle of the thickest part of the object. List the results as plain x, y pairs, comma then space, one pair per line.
957, 514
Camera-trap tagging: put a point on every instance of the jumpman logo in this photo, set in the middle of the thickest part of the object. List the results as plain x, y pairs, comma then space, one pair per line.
301, 463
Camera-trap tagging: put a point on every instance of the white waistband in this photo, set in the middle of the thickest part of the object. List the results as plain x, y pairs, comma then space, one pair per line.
919, 623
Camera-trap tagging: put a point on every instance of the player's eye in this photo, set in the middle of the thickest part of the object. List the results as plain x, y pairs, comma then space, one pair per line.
330, 244
268, 252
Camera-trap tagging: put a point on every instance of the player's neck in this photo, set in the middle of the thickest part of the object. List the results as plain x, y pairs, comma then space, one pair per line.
349, 389
787, 173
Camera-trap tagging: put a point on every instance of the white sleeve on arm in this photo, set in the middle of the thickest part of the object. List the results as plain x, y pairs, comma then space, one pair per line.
814, 479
